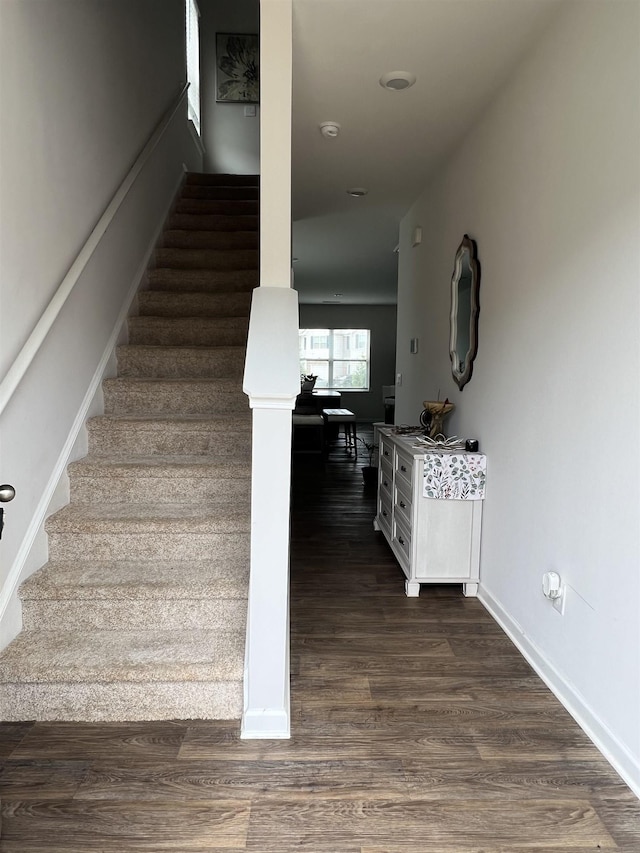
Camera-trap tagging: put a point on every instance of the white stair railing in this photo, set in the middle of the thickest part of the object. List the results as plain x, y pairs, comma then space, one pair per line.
272, 381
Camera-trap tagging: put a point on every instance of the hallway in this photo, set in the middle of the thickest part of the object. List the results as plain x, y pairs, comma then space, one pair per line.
416, 728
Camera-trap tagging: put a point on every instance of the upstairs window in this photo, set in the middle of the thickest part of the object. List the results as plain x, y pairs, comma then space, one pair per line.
193, 62
338, 357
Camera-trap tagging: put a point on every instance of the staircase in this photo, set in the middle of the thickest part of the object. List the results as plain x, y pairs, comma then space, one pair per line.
140, 612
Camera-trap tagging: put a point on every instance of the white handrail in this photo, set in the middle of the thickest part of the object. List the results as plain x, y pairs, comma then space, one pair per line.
40, 331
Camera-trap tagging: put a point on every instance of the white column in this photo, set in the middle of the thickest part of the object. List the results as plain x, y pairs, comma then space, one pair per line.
272, 382
275, 143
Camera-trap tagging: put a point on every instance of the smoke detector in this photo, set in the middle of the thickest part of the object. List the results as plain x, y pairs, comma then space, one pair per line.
329, 129
357, 192
397, 80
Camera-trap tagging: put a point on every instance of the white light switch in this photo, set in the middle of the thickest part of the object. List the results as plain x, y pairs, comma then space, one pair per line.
250, 110
398, 379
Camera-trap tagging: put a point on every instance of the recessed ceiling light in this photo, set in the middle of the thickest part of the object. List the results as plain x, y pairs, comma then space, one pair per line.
357, 192
337, 294
397, 80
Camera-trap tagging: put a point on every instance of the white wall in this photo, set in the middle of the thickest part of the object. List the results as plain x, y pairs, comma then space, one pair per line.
84, 83
548, 185
231, 140
381, 320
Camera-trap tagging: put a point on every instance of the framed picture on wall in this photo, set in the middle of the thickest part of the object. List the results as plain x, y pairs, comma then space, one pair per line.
237, 68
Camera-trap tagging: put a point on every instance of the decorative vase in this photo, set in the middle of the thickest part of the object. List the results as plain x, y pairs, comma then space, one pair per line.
433, 416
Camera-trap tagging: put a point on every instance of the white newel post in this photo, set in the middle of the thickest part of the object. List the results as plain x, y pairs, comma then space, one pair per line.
272, 382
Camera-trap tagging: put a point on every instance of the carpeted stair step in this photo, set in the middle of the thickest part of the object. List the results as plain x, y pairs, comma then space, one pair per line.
220, 240
213, 222
126, 395
188, 331
202, 281
212, 192
209, 206
122, 675
221, 179
181, 362
147, 531
214, 259
137, 595
141, 580
193, 435
160, 303
160, 479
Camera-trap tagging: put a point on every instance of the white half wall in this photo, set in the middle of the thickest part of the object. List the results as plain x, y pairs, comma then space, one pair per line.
84, 84
548, 183
231, 139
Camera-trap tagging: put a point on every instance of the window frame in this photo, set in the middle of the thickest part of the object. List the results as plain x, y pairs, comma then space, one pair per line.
310, 336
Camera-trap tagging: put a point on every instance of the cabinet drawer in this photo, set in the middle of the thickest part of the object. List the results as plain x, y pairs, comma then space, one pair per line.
402, 541
402, 502
386, 480
386, 450
404, 470
384, 512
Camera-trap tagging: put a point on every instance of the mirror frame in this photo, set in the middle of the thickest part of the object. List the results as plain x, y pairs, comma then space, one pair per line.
467, 246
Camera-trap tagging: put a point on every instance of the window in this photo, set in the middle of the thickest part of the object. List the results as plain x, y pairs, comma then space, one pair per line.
193, 62
338, 357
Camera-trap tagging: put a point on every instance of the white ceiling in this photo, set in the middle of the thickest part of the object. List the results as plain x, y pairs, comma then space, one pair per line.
462, 52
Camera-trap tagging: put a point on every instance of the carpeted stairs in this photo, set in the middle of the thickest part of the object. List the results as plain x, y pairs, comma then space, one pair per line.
140, 612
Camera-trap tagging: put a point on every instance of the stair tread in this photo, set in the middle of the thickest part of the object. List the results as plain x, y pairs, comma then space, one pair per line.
206, 517
240, 421
224, 383
165, 466
57, 656
136, 580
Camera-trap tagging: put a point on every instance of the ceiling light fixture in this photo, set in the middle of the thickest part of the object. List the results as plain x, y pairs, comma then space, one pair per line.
397, 80
357, 192
329, 129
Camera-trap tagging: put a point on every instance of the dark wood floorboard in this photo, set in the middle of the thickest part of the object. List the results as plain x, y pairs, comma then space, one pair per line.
416, 728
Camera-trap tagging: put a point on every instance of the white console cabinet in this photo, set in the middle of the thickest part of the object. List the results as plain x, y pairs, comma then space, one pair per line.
434, 540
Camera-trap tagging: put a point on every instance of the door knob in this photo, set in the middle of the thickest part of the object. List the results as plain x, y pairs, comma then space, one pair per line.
7, 493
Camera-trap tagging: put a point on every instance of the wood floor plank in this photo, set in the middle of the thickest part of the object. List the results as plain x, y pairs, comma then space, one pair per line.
324, 825
95, 740
108, 825
218, 780
353, 743
27, 779
442, 714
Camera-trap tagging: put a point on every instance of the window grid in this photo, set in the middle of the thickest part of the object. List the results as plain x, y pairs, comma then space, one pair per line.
338, 357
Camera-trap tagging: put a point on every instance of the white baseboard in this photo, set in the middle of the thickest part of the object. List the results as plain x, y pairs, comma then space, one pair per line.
615, 752
265, 724
10, 608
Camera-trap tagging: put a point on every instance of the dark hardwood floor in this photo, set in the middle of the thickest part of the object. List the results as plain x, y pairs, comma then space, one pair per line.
417, 728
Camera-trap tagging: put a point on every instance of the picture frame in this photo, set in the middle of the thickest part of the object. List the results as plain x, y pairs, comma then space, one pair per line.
237, 68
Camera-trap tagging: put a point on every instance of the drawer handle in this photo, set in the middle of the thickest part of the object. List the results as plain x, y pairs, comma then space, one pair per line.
385, 483
386, 453
402, 468
401, 540
384, 512
403, 505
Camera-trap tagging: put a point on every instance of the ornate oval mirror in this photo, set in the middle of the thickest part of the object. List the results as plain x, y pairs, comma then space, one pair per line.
465, 307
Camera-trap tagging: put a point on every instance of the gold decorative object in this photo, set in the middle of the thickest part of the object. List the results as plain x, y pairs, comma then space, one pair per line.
433, 416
